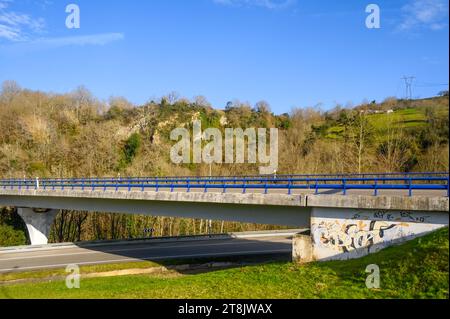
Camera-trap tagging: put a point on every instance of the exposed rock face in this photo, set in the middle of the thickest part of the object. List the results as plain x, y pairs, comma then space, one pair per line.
223, 120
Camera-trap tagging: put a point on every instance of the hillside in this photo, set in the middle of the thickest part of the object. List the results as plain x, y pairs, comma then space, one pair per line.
77, 135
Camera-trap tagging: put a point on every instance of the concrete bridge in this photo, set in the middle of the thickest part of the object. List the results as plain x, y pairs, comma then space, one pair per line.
348, 216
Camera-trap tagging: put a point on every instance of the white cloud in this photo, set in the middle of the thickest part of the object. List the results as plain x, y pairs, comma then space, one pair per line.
268, 4
24, 32
16, 26
93, 39
9, 33
53, 43
430, 14
17, 20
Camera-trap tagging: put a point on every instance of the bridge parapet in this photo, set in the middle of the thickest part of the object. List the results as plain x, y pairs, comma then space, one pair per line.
371, 183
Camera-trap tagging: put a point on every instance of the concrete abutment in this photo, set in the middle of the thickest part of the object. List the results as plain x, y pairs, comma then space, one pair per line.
341, 234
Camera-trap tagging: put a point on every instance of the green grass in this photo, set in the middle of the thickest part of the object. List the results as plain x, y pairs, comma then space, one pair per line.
405, 118
417, 269
410, 118
49, 274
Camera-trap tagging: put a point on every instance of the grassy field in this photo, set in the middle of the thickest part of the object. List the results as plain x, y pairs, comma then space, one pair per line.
408, 118
417, 269
400, 119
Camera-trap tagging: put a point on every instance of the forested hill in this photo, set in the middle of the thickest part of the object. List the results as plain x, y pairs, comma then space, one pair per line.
75, 134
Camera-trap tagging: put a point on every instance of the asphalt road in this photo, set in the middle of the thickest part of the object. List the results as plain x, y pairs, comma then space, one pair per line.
49, 258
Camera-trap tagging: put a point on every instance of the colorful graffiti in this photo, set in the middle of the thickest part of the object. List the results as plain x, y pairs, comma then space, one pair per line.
343, 234
348, 237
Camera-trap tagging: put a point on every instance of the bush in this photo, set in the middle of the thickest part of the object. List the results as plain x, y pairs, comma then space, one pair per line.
131, 147
11, 237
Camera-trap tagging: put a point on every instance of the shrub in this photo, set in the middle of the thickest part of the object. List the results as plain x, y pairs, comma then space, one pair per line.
11, 237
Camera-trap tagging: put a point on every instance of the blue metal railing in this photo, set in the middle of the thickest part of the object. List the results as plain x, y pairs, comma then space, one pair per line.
335, 182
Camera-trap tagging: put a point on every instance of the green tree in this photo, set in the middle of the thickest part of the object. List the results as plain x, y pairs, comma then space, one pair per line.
130, 149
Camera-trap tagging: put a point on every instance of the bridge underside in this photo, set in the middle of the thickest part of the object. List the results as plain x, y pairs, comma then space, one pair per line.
293, 216
38, 223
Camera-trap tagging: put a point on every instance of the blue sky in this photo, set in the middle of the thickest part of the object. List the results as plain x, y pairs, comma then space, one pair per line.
291, 53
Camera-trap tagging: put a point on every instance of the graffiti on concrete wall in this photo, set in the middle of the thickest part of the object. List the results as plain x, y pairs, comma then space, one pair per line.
390, 216
364, 229
346, 237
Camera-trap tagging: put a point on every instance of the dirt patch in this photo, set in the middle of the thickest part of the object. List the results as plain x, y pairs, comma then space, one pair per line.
169, 271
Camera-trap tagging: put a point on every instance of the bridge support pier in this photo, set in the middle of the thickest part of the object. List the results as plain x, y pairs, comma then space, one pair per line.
38, 223
340, 234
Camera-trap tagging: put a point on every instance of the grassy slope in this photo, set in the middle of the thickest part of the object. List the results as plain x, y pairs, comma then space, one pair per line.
404, 119
417, 269
409, 118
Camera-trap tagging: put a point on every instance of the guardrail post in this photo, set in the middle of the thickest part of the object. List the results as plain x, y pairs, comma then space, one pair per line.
344, 184
317, 187
290, 187
410, 187
37, 183
448, 186
376, 188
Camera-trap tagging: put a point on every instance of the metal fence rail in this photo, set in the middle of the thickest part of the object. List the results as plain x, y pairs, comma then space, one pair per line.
342, 183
